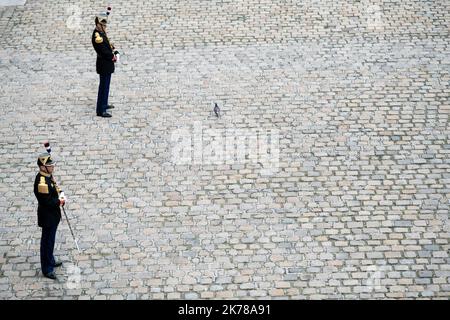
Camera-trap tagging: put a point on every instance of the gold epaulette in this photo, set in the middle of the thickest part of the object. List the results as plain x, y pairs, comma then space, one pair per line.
98, 38
42, 186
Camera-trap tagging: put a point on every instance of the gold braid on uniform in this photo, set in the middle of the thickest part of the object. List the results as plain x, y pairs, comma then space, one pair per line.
42, 186
98, 38
58, 189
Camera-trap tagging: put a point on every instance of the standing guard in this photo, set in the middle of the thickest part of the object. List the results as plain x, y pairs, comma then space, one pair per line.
106, 57
49, 212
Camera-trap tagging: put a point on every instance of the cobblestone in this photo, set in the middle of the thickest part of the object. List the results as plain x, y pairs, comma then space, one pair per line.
352, 203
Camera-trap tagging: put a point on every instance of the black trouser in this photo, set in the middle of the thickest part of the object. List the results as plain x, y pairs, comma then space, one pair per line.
47, 246
103, 93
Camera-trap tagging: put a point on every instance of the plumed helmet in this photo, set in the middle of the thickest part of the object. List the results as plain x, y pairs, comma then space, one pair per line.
45, 159
102, 17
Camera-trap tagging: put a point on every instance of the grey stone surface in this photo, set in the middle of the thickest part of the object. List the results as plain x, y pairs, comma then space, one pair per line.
353, 201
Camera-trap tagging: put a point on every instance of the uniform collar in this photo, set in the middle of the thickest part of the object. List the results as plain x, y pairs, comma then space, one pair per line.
45, 174
96, 30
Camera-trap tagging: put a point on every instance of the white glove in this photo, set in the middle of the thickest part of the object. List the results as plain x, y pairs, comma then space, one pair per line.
117, 55
62, 196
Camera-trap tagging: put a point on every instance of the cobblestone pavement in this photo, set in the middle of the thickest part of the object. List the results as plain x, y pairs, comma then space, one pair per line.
326, 176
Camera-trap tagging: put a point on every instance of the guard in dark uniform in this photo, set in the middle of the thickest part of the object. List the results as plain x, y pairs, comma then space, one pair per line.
106, 57
49, 212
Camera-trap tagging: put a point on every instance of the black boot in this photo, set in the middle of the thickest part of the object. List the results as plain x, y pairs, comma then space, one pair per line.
50, 275
105, 115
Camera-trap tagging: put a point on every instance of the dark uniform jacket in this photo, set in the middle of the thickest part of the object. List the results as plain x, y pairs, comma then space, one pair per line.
104, 52
49, 213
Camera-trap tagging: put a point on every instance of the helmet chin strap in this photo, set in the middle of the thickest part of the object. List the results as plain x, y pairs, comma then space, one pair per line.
100, 27
46, 169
